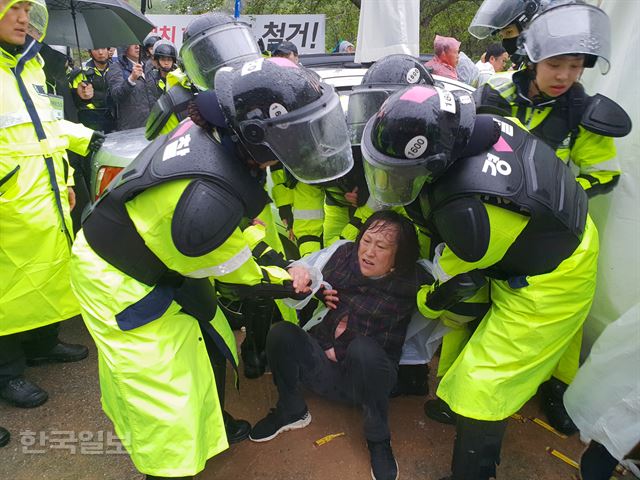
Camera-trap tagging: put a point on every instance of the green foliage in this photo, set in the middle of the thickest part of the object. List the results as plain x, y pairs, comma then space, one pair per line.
446, 17
341, 15
451, 19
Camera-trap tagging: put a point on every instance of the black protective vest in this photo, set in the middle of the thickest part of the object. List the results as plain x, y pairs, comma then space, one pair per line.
209, 210
519, 173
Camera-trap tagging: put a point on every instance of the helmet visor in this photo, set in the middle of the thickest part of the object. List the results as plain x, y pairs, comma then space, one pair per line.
363, 104
312, 142
38, 17
494, 15
392, 181
204, 54
572, 29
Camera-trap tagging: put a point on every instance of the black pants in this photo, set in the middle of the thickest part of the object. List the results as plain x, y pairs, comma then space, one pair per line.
15, 348
365, 377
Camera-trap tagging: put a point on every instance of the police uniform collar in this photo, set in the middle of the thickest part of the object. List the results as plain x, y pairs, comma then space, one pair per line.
522, 80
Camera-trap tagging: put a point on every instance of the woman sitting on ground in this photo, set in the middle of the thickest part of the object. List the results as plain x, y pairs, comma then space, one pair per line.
353, 353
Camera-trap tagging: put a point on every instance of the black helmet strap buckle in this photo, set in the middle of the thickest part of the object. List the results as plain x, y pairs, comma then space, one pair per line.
254, 130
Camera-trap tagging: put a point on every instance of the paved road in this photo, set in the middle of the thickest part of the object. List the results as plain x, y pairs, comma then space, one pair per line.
69, 438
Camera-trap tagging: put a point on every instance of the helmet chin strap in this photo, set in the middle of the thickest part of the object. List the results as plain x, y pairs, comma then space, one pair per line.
485, 134
540, 96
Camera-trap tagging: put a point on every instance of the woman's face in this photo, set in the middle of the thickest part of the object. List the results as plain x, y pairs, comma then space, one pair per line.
556, 75
377, 249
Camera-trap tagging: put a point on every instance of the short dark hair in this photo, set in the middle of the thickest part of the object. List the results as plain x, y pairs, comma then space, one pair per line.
494, 50
407, 253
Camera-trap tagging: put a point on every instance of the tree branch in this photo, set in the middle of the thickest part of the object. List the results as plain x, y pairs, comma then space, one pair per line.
430, 8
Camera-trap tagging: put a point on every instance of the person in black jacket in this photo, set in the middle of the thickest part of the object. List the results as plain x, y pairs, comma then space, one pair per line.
134, 91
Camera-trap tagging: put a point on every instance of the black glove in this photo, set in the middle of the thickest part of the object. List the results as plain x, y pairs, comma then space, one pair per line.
455, 290
97, 139
286, 214
235, 291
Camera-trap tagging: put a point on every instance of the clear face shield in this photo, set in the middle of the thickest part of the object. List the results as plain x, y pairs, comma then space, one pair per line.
571, 29
203, 55
494, 15
363, 104
38, 16
392, 181
312, 142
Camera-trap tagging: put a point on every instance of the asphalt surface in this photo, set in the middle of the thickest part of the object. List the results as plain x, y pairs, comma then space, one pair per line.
70, 438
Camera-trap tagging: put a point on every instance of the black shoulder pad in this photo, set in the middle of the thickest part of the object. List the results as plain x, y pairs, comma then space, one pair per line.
488, 100
463, 225
205, 216
173, 101
605, 117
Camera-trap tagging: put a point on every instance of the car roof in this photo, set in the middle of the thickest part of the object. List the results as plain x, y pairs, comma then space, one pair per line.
340, 71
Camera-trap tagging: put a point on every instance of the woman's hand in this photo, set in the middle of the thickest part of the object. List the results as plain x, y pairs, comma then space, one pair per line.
330, 298
301, 278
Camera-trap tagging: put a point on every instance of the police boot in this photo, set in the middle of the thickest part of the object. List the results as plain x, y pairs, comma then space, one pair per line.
60, 353
412, 380
4, 436
252, 364
551, 393
22, 393
440, 411
236, 430
476, 450
257, 315
597, 463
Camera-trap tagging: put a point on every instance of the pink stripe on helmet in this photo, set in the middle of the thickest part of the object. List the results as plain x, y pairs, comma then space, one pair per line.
418, 94
283, 62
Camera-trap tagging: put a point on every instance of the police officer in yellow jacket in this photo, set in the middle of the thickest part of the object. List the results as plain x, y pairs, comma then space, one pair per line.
548, 99
165, 229
507, 210
227, 39
90, 92
210, 42
321, 212
35, 204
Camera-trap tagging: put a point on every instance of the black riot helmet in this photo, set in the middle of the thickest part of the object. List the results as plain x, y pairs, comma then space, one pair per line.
165, 48
397, 69
384, 77
280, 111
150, 40
415, 136
494, 15
214, 40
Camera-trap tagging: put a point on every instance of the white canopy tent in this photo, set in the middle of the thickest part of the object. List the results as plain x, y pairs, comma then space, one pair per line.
617, 214
388, 27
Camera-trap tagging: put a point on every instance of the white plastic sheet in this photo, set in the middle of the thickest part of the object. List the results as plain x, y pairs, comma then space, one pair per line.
604, 398
388, 27
617, 214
